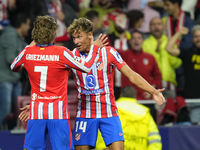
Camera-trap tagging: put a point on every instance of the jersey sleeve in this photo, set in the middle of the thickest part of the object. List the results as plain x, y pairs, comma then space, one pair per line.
84, 66
116, 58
18, 62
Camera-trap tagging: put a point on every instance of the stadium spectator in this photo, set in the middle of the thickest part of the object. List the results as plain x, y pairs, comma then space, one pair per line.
11, 43
190, 58
136, 58
155, 45
136, 19
145, 65
175, 20
43, 62
137, 124
93, 16
149, 13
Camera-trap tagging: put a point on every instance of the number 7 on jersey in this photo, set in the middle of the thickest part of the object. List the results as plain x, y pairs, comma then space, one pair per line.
43, 76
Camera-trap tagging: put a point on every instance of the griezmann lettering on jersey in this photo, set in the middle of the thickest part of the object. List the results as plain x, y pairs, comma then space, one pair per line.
95, 89
48, 69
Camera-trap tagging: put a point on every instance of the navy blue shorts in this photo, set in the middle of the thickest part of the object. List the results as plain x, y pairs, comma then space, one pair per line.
86, 130
59, 133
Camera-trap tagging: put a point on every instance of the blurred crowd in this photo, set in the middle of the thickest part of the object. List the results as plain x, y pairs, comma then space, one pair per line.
159, 39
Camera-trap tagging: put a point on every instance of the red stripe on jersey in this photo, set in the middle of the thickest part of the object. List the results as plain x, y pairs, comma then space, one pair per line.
93, 111
36, 110
83, 108
55, 110
45, 111
65, 104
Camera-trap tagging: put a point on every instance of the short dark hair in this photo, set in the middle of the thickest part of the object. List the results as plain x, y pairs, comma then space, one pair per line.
91, 14
136, 31
176, 1
134, 16
16, 19
128, 91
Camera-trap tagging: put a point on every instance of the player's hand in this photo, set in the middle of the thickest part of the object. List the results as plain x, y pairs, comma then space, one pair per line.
24, 115
158, 97
32, 43
183, 30
101, 41
147, 95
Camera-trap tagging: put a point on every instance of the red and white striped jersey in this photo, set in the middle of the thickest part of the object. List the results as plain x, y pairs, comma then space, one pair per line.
95, 89
48, 70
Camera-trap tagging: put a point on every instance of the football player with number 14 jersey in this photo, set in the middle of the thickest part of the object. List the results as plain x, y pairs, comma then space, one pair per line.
96, 107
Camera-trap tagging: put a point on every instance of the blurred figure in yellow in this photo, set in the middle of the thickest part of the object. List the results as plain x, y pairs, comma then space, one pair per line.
140, 130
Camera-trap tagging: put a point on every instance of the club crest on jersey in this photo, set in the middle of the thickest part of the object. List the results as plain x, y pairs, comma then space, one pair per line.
99, 65
34, 95
77, 136
146, 61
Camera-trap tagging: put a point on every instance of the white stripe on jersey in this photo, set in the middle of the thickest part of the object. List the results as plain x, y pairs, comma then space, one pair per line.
17, 59
32, 110
118, 58
105, 79
79, 65
78, 83
78, 115
88, 107
60, 109
40, 110
50, 110
98, 106
87, 114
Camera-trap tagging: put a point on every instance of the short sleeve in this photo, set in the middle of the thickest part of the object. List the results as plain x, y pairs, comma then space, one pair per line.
116, 58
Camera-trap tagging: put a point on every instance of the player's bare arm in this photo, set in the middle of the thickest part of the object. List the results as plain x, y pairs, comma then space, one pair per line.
172, 41
137, 80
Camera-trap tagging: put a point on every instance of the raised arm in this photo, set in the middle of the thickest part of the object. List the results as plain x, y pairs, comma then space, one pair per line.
170, 46
84, 66
18, 62
137, 80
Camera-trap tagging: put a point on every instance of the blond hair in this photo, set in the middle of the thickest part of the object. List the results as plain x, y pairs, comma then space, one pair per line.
44, 31
79, 25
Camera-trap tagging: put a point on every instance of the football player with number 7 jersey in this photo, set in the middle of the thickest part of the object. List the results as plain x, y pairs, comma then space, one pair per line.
96, 108
48, 69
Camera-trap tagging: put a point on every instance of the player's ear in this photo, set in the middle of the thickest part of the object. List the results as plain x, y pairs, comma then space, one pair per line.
90, 35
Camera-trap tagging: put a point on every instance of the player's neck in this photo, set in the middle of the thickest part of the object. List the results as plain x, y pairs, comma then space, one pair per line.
86, 52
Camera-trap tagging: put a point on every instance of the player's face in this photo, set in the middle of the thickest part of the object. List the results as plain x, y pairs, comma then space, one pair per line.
196, 38
82, 41
156, 27
169, 7
136, 41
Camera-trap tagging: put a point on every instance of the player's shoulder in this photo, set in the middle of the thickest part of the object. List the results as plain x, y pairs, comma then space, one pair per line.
109, 48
